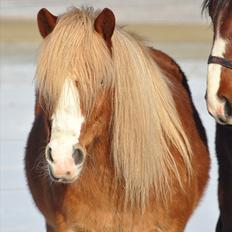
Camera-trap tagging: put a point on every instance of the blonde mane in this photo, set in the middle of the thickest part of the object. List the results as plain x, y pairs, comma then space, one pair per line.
145, 123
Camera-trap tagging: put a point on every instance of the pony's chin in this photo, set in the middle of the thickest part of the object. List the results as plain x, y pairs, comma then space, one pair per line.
62, 180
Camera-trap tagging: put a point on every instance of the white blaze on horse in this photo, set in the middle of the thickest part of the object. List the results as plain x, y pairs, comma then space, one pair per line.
219, 84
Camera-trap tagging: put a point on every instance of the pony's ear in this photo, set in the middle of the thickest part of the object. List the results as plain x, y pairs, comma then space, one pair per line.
46, 22
212, 8
104, 24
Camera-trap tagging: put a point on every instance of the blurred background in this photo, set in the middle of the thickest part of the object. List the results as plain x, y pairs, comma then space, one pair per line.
173, 26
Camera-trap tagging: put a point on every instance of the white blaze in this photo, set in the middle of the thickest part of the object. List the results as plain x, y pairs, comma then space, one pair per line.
215, 105
66, 122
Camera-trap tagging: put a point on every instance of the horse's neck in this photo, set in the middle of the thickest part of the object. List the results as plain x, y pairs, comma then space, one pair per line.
168, 66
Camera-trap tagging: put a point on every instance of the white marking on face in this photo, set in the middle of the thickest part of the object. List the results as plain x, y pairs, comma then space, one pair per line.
214, 103
66, 126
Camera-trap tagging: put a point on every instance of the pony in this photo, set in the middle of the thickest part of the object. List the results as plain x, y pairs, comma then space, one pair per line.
116, 143
219, 101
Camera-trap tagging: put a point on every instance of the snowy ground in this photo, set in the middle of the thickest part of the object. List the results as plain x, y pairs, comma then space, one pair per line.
17, 211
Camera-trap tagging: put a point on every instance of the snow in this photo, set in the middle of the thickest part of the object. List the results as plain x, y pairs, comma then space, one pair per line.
17, 210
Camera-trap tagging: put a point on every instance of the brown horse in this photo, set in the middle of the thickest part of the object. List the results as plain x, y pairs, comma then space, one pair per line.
219, 101
116, 144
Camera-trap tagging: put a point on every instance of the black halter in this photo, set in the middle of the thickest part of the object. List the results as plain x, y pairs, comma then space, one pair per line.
219, 60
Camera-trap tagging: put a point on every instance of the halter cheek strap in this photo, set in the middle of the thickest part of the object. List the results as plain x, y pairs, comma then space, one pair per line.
219, 60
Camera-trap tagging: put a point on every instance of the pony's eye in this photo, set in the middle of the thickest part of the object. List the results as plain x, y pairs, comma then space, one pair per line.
77, 83
102, 82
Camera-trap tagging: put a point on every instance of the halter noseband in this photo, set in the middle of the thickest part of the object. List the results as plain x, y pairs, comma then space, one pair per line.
219, 60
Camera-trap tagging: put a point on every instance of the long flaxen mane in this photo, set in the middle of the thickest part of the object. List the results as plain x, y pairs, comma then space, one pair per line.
145, 123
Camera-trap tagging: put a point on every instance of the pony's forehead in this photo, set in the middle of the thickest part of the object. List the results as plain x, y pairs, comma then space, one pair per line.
82, 15
74, 30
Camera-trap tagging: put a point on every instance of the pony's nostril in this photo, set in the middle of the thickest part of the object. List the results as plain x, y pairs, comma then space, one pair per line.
228, 108
49, 155
78, 156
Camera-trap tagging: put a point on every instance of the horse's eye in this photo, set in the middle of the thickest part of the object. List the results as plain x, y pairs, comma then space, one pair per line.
77, 83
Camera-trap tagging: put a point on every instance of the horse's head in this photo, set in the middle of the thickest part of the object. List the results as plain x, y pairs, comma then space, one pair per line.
219, 89
78, 96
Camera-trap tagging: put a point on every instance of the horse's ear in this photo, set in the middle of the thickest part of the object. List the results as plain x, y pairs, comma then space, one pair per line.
212, 8
104, 24
46, 22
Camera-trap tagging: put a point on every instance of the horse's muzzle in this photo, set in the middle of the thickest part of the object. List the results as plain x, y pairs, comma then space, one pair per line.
67, 168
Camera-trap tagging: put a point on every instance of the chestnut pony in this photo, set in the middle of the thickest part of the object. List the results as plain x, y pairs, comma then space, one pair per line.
219, 101
116, 144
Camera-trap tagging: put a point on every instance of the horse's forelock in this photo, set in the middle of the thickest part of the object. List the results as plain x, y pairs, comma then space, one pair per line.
73, 50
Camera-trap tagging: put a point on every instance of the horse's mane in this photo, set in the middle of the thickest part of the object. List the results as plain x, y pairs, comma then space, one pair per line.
145, 123
214, 7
